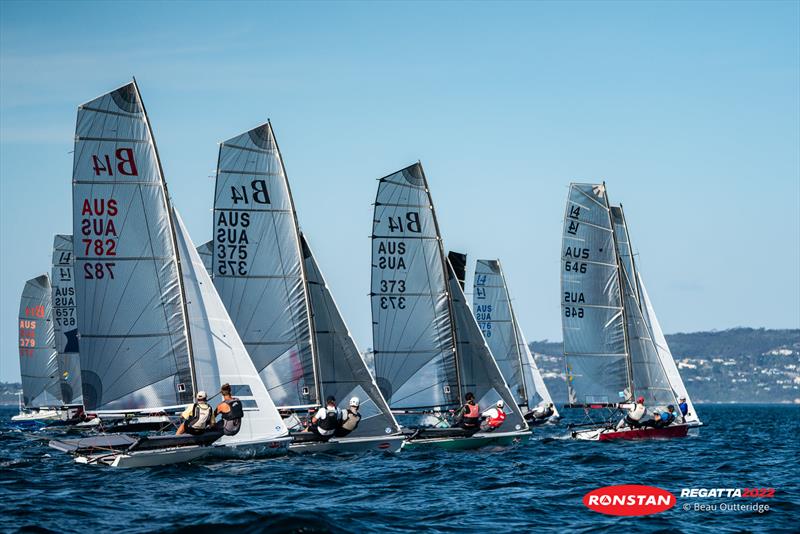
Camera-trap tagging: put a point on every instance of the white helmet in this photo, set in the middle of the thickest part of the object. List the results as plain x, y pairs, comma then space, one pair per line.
500, 403
355, 402
201, 395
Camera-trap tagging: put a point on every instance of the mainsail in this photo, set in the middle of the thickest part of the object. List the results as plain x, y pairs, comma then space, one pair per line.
65, 320
135, 350
595, 344
38, 362
219, 354
664, 353
412, 324
257, 265
491, 304
479, 371
342, 372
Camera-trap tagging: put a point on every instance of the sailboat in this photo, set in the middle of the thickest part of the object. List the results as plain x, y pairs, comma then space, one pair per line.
153, 331
491, 303
428, 349
276, 296
611, 357
41, 400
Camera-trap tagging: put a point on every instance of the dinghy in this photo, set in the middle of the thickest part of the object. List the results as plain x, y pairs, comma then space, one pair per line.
611, 356
41, 400
153, 331
276, 296
491, 303
428, 350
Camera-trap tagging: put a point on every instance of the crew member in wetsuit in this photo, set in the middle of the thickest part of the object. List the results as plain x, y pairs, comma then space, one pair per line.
198, 417
493, 417
231, 411
325, 421
634, 416
468, 416
349, 418
684, 407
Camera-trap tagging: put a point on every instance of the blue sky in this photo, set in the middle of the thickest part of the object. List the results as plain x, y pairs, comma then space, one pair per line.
689, 111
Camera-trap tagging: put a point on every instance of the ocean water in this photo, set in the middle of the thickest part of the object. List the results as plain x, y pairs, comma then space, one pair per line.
537, 486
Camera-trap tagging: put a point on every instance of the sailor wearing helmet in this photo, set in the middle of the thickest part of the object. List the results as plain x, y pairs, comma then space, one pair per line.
349, 418
635, 413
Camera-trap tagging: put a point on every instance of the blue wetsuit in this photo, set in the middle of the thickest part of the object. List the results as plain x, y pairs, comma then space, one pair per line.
684, 408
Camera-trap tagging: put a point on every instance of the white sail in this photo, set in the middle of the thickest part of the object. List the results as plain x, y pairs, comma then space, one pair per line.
479, 372
219, 354
38, 360
65, 320
533, 374
665, 354
134, 348
206, 250
257, 265
595, 347
412, 328
342, 372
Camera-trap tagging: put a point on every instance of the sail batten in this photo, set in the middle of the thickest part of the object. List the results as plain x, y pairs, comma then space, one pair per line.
135, 344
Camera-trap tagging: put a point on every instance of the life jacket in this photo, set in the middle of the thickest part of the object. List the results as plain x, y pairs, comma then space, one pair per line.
667, 418
684, 408
327, 426
472, 415
232, 420
494, 422
202, 418
351, 423
637, 412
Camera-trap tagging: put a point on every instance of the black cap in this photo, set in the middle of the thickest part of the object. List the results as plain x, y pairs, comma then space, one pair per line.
331, 399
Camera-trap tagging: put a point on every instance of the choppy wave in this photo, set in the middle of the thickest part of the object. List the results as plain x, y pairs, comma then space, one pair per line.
536, 486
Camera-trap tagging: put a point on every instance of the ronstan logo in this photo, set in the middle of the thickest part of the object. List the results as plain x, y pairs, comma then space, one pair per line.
629, 499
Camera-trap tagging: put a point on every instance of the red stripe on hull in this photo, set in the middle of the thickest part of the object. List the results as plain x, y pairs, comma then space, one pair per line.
677, 431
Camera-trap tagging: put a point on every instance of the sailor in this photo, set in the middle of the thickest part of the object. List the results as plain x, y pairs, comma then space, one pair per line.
231, 411
542, 412
325, 421
667, 417
635, 413
493, 417
468, 416
684, 406
349, 418
198, 417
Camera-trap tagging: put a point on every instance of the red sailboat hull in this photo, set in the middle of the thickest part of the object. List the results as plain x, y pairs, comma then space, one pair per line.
675, 431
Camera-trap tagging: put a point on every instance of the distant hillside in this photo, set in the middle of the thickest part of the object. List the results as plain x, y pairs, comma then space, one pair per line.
737, 365
8, 393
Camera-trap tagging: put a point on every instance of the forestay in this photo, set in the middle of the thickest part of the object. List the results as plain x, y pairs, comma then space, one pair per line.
342, 372
65, 320
219, 354
38, 361
591, 303
257, 265
412, 328
479, 372
135, 353
664, 353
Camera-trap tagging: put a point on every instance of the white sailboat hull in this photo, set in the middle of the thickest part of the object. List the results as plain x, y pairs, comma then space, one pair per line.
41, 415
391, 443
146, 458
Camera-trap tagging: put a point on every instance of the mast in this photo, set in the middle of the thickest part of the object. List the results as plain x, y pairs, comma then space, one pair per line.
306, 297
448, 270
514, 328
174, 240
